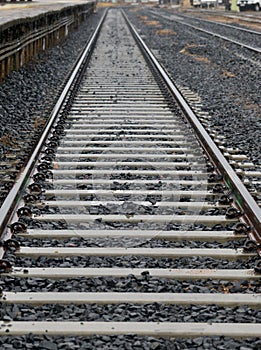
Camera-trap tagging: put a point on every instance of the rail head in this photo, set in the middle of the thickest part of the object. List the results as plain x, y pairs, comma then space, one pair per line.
243, 198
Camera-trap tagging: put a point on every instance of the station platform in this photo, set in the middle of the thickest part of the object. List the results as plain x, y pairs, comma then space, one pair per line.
28, 27
11, 13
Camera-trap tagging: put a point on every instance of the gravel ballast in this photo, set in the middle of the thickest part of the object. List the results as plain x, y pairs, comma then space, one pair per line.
151, 312
28, 95
144, 283
127, 342
225, 76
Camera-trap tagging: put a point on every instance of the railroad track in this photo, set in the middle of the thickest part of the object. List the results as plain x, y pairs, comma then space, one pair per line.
245, 18
250, 18
235, 35
224, 25
129, 208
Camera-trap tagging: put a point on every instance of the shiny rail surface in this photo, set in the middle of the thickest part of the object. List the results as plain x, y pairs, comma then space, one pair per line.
123, 187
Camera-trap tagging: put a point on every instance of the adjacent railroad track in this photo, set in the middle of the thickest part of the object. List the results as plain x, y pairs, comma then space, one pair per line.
129, 208
247, 17
235, 35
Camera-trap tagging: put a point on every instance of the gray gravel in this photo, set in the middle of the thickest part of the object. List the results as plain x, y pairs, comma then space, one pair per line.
154, 312
28, 94
225, 76
128, 342
131, 283
132, 262
47, 75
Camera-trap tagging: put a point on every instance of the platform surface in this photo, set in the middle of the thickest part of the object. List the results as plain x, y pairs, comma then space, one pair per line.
20, 10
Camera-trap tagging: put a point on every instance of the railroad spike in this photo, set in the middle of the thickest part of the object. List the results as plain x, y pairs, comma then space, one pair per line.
24, 211
43, 166
233, 213
225, 199
10, 244
250, 246
18, 227
241, 228
5, 266
215, 178
39, 177
257, 268
35, 188
30, 198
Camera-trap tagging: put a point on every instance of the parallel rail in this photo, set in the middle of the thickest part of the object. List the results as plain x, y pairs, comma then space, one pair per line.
221, 24
212, 33
244, 199
121, 180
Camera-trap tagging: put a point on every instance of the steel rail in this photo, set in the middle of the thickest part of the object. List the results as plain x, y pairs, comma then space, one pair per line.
218, 23
251, 19
243, 198
251, 48
138, 249
13, 197
247, 17
229, 26
240, 16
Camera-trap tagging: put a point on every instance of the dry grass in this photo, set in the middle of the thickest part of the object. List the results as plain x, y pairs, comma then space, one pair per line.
220, 19
39, 123
196, 57
135, 9
8, 140
185, 51
165, 32
202, 59
227, 74
152, 23
105, 4
143, 18
186, 48
251, 106
226, 290
228, 20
